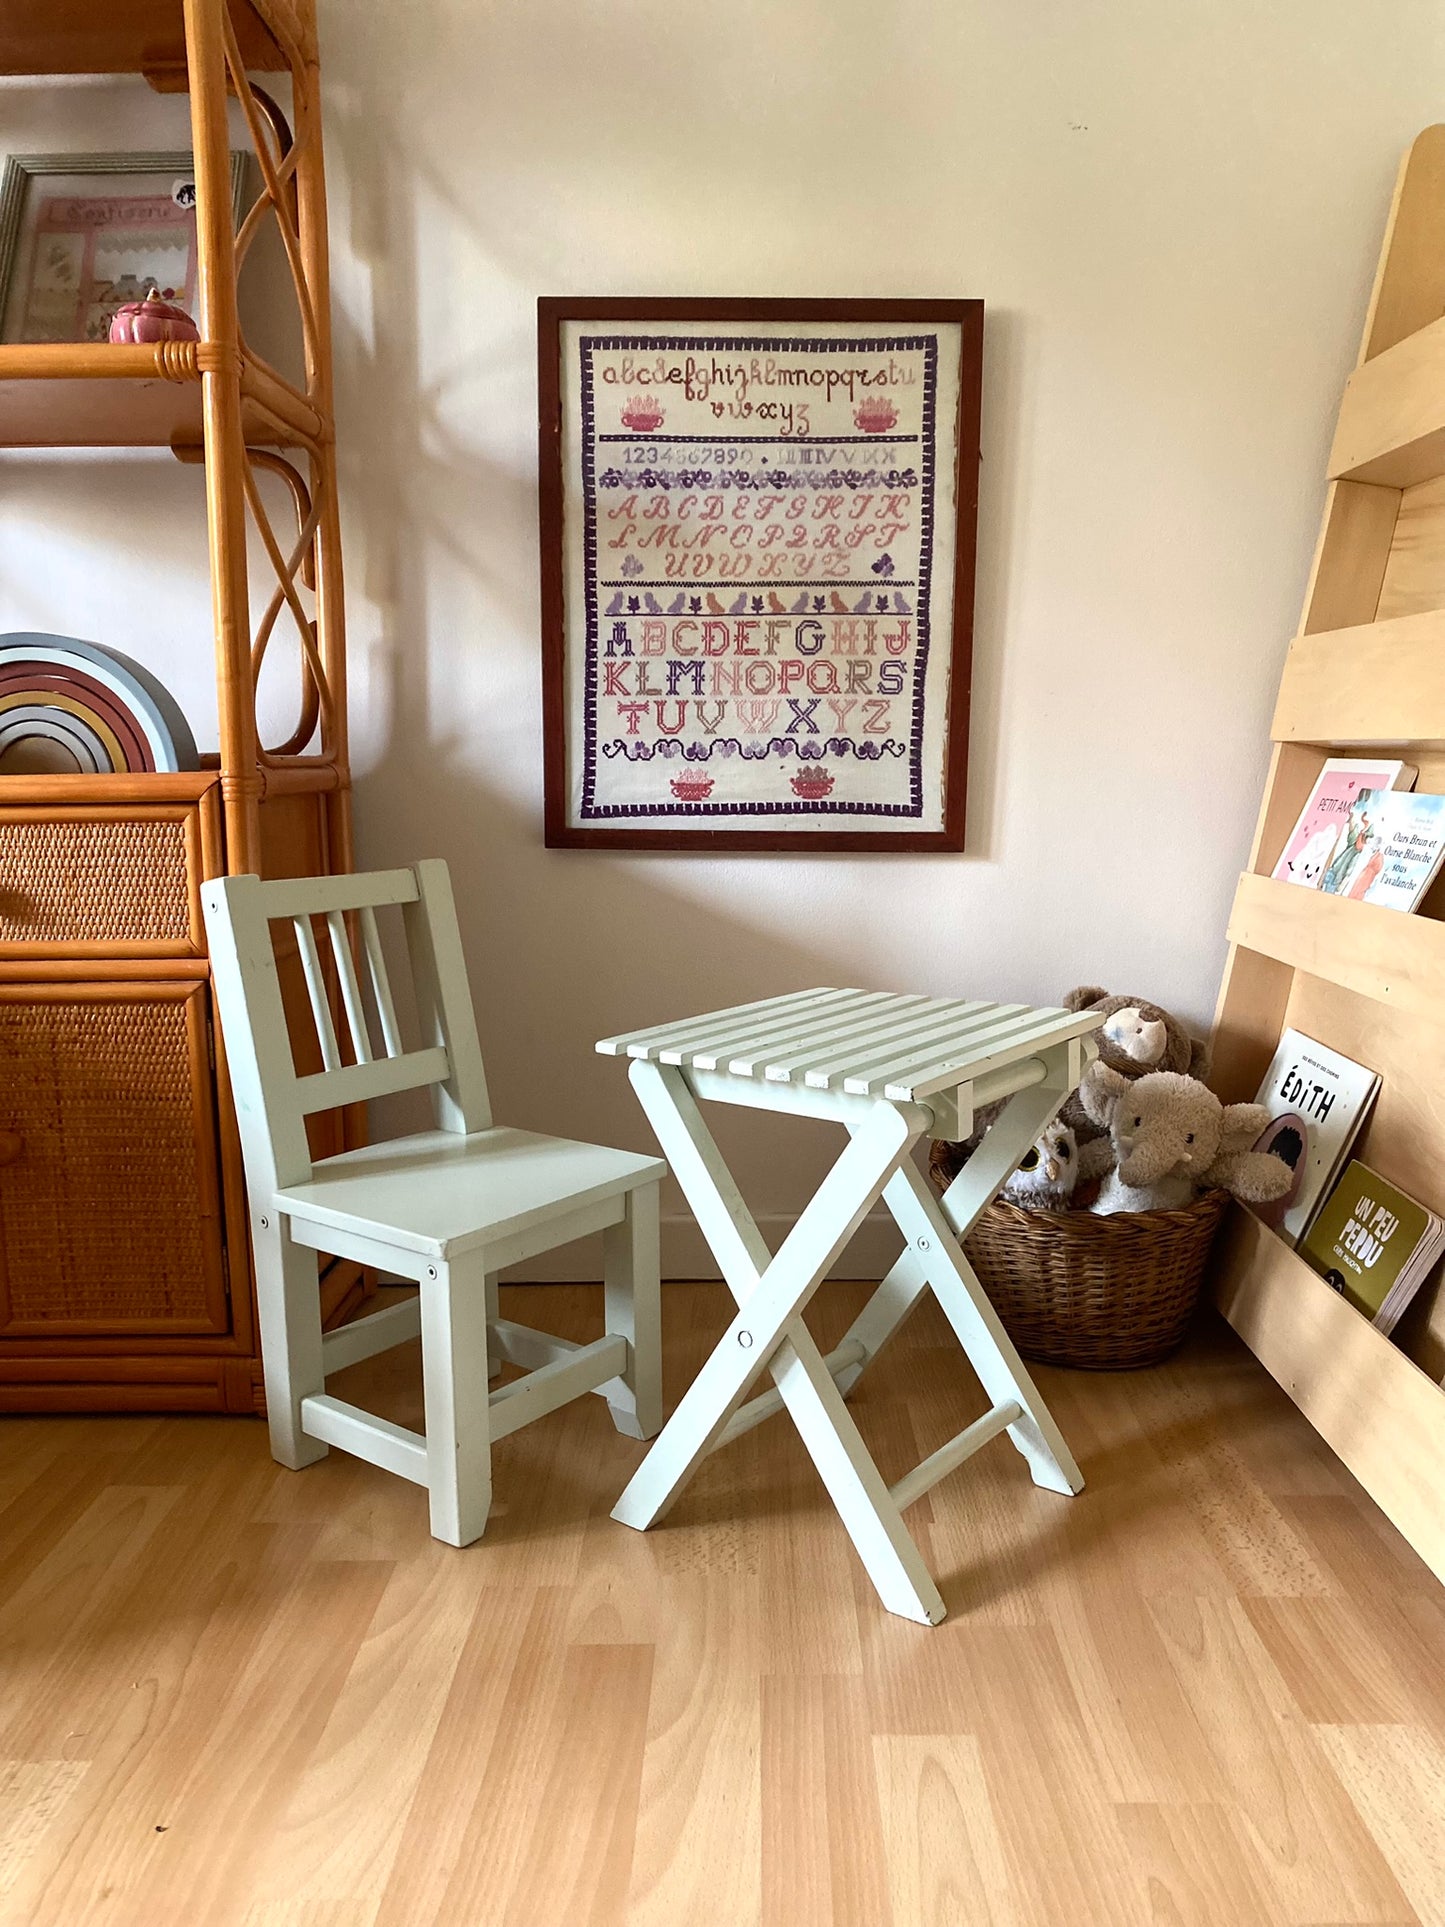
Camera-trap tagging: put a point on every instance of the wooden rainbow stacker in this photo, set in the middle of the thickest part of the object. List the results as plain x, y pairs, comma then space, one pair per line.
892, 1070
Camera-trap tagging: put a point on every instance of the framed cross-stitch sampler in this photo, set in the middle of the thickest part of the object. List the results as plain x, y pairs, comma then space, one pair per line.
758, 524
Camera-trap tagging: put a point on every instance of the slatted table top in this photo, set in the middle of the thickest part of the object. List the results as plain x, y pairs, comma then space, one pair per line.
868, 1043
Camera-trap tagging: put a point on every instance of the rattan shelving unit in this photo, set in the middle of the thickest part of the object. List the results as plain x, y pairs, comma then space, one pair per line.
1366, 670
124, 1269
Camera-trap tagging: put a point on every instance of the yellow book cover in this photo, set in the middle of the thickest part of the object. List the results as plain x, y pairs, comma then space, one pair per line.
1366, 1233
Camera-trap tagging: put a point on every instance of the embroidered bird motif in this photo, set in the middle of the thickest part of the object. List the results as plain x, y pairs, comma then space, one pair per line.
714, 605
740, 605
838, 605
678, 603
774, 604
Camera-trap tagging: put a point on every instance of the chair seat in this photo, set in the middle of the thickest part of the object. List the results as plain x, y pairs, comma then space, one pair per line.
441, 1194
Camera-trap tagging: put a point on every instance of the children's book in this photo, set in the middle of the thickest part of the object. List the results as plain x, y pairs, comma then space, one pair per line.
1391, 849
1317, 837
1374, 1244
1317, 1101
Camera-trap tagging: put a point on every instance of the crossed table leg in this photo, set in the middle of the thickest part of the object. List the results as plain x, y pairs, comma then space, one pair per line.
768, 1334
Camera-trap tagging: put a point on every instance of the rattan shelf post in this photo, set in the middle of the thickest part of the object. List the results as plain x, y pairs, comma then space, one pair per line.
219, 319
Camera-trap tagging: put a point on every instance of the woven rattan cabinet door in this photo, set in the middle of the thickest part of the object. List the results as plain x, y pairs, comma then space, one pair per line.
106, 881
110, 1215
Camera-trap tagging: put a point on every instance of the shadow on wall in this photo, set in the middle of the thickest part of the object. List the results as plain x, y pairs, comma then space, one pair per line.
564, 947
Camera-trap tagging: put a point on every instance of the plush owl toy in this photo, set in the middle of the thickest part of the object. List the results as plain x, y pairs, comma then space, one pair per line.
1048, 1173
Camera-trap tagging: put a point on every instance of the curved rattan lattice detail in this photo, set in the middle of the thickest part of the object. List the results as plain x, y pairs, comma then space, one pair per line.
278, 164
316, 701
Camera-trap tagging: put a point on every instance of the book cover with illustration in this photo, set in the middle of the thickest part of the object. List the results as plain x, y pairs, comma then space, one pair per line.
1317, 1100
1335, 800
1374, 1244
1391, 850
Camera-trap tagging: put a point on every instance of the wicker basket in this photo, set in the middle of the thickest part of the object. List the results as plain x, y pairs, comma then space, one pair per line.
1102, 1294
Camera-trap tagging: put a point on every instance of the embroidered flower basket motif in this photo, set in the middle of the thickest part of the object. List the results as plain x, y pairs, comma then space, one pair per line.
876, 415
643, 415
691, 786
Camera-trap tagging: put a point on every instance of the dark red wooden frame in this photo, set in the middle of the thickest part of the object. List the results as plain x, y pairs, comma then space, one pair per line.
552, 311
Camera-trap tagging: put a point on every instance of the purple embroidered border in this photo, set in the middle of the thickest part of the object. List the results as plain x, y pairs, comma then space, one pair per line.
928, 343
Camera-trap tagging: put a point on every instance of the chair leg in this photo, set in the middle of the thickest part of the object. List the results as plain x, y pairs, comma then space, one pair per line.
454, 1384
494, 1311
631, 1270
288, 1299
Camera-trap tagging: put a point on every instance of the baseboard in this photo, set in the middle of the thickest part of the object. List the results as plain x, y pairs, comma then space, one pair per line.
685, 1254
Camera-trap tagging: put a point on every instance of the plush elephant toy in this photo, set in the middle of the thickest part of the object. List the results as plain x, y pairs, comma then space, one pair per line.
1172, 1139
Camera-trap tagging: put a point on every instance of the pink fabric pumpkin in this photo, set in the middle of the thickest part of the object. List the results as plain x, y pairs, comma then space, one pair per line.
152, 320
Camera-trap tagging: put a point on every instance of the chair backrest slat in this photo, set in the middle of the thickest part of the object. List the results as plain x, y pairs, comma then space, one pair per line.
351, 1003
317, 896
380, 982
383, 1077
273, 1100
316, 990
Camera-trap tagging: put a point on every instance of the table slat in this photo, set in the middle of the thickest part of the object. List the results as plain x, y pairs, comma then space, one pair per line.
705, 1051
1014, 1028
946, 1033
748, 1057
921, 1080
627, 1043
782, 1070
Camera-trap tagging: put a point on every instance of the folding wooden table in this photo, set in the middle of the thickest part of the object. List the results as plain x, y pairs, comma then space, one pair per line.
892, 1070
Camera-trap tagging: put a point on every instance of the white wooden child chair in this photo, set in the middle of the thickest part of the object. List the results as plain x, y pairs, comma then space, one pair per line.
448, 1208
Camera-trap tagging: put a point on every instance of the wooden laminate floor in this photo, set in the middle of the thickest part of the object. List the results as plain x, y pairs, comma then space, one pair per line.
1207, 1693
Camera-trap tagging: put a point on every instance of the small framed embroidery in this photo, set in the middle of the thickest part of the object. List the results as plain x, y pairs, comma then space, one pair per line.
758, 524
81, 234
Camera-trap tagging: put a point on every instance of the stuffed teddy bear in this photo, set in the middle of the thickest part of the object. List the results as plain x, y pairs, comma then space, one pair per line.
1172, 1139
1135, 1039
1047, 1174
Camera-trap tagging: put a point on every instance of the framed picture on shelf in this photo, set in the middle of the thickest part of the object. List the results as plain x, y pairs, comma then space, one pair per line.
758, 523
80, 234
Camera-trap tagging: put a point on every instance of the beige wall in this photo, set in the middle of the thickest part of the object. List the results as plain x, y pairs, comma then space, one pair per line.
1173, 215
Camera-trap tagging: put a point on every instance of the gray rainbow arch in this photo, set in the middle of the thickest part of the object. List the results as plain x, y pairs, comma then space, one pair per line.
110, 713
